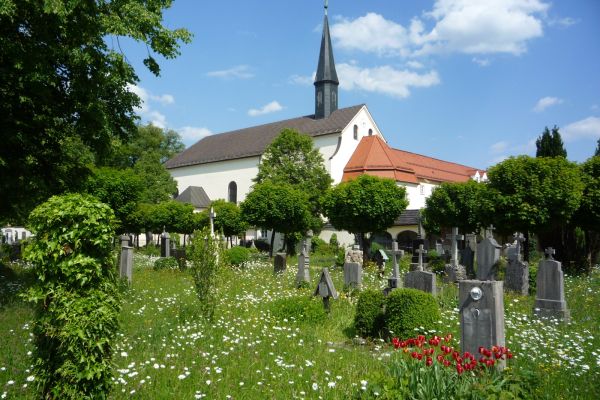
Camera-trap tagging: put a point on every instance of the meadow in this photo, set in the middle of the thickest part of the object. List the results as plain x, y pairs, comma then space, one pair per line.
262, 345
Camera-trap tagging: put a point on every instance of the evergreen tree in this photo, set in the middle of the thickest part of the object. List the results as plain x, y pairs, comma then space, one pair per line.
550, 144
597, 153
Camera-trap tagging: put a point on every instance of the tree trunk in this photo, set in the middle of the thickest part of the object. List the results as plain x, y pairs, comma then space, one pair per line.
272, 243
366, 245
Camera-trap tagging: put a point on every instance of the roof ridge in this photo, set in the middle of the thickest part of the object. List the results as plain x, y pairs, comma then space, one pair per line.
434, 158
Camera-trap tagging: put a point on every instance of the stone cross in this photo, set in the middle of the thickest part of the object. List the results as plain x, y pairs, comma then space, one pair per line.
394, 281
489, 232
455, 237
550, 252
212, 215
519, 238
421, 251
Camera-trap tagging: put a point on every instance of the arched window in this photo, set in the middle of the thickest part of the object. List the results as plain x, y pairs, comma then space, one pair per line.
370, 132
355, 132
232, 192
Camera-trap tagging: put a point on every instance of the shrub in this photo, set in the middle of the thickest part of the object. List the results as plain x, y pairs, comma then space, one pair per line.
237, 256
410, 310
318, 245
375, 247
437, 264
166, 263
76, 297
300, 308
206, 258
333, 241
340, 257
369, 319
533, 269
262, 245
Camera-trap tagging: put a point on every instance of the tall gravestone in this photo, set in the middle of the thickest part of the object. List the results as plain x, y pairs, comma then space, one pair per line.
421, 279
550, 290
488, 254
467, 258
454, 270
481, 307
126, 263
165, 244
517, 271
353, 275
303, 274
394, 280
280, 263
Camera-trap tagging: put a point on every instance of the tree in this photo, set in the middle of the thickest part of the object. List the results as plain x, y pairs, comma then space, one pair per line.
279, 207
364, 205
291, 159
588, 214
455, 205
64, 91
534, 195
229, 219
550, 144
159, 185
597, 152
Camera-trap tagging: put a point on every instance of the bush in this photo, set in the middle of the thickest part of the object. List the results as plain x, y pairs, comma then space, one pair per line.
375, 247
369, 319
437, 264
533, 269
237, 256
340, 257
410, 311
333, 241
150, 250
206, 258
300, 308
262, 245
166, 263
76, 297
318, 245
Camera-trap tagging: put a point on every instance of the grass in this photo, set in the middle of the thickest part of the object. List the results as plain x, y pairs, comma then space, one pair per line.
165, 350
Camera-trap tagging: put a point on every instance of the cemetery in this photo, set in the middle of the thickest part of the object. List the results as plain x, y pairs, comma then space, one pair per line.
304, 258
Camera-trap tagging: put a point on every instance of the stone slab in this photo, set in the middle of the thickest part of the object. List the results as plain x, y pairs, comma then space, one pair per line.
421, 280
550, 291
516, 278
279, 263
353, 274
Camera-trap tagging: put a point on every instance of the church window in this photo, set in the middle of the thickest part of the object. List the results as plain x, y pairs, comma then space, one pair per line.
355, 132
232, 192
370, 132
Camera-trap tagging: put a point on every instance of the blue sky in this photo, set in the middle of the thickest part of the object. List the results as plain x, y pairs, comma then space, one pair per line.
461, 80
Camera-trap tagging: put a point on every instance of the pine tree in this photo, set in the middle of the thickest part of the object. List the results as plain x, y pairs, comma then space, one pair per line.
597, 153
550, 144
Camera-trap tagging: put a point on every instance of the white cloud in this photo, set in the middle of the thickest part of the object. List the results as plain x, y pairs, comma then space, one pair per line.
384, 79
237, 72
414, 64
147, 110
191, 134
588, 128
272, 107
563, 22
546, 102
371, 33
595, 107
499, 147
303, 79
482, 62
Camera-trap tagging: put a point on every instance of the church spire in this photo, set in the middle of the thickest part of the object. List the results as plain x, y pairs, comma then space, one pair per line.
326, 81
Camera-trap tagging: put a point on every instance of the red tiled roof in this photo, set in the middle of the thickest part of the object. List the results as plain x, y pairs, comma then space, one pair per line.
374, 157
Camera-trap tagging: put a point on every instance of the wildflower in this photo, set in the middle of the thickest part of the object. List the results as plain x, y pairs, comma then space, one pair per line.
315, 386
331, 384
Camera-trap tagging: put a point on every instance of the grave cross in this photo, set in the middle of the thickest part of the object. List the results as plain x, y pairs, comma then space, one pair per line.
489, 232
455, 237
550, 252
520, 239
395, 253
212, 217
421, 250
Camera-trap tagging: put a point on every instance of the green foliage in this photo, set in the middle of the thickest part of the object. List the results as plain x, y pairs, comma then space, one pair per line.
279, 207
159, 185
369, 318
436, 263
550, 144
333, 240
76, 297
168, 263
410, 311
66, 94
300, 308
533, 269
206, 259
340, 257
171, 215
237, 256
597, 152
455, 205
229, 218
318, 245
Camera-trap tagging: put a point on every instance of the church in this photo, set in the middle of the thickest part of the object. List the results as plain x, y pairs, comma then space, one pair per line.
222, 166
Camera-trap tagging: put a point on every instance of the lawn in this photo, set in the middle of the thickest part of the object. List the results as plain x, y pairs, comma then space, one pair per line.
251, 351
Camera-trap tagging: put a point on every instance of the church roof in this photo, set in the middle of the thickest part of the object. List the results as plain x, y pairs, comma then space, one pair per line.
249, 142
195, 196
374, 156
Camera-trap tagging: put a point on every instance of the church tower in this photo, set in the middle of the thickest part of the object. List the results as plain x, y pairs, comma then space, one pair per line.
326, 81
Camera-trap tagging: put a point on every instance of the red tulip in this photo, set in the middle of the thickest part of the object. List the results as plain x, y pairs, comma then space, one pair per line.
429, 362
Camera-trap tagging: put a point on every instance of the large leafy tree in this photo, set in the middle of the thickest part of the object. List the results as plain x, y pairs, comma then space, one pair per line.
64, 90
363, 205
279, 207
588, 215
534, 195
550, 144
229, 219
461, 205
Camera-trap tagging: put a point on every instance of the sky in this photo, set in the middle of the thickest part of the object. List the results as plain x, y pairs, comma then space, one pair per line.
467, 81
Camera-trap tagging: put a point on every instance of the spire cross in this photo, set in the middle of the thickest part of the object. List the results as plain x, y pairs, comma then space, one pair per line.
326, 6
550, 252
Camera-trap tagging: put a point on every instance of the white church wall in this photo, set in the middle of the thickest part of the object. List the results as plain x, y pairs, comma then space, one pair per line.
327, 144
417, 194
215, 177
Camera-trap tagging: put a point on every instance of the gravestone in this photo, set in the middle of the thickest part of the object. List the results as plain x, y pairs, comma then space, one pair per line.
394, 279
354, 254
415, 246
467, 258
517, 271
303, 274
550, 290
325, 289
212, 215
125, 240
380, 258
481, 307
419, 278
454, 270
353, 275
280, 263
126, 263
165, 244
488, 254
